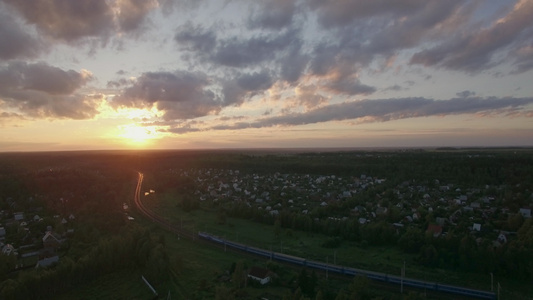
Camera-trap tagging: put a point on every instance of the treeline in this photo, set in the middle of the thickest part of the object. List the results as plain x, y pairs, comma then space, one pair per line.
134, 248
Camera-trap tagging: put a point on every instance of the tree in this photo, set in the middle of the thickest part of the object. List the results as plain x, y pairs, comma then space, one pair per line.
411, 240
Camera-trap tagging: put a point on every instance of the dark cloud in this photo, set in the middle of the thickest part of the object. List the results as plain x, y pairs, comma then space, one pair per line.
382, 110
333, 13
15, 41
255, 81
294, 63
349, 86
72, 21
401, 33
273, 14
118, 83
180, 95
238, 52
394, 88
465, 94
42, 91
235, 51
67, 20
45, 78
195, 38
523, 59
476, 50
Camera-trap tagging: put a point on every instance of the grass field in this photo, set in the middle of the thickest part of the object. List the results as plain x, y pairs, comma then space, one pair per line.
125, 284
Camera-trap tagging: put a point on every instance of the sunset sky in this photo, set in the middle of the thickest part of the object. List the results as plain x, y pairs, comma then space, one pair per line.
187, 74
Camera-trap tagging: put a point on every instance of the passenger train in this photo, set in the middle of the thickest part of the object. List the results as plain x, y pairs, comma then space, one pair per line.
350, 271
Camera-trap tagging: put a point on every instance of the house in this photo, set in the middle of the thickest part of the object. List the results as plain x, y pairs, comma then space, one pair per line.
47, 261
8, 250
19, 216
502, 238
476, 227
381, 211
259, 274
434, 229
2, 233
440, 221
47, 257
525, 212
50, 240
475, 205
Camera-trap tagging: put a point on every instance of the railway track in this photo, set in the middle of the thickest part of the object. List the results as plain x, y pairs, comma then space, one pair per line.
156, 218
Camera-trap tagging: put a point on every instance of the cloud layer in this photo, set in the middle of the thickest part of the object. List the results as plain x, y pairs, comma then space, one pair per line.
220, 65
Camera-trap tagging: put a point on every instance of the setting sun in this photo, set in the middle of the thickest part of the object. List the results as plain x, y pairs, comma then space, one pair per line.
135, 134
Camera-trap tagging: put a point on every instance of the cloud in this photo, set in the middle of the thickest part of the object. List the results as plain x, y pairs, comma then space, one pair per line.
309, 97
195, 38
523, 59
255, 81
42, 91
133, 13
395, 88
342, 13
67, 20
465, 94
180, 95
382, 110
273, 14
476, 50
71, 21
238, 52
16, 42
349, 86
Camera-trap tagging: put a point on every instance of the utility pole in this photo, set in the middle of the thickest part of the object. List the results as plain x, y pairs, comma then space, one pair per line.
403, 274
335, 257
499, 287
327, 261
491, 282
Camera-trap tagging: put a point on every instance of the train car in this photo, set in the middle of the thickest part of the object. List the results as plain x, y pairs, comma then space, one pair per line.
351, 271
465, 291
210, 237
289, 258
236, 245
259, 251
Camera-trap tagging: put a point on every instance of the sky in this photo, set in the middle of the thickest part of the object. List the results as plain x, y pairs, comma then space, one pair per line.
193, 74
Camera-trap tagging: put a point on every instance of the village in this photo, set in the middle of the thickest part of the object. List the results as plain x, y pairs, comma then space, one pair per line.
436, 206
32, 238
